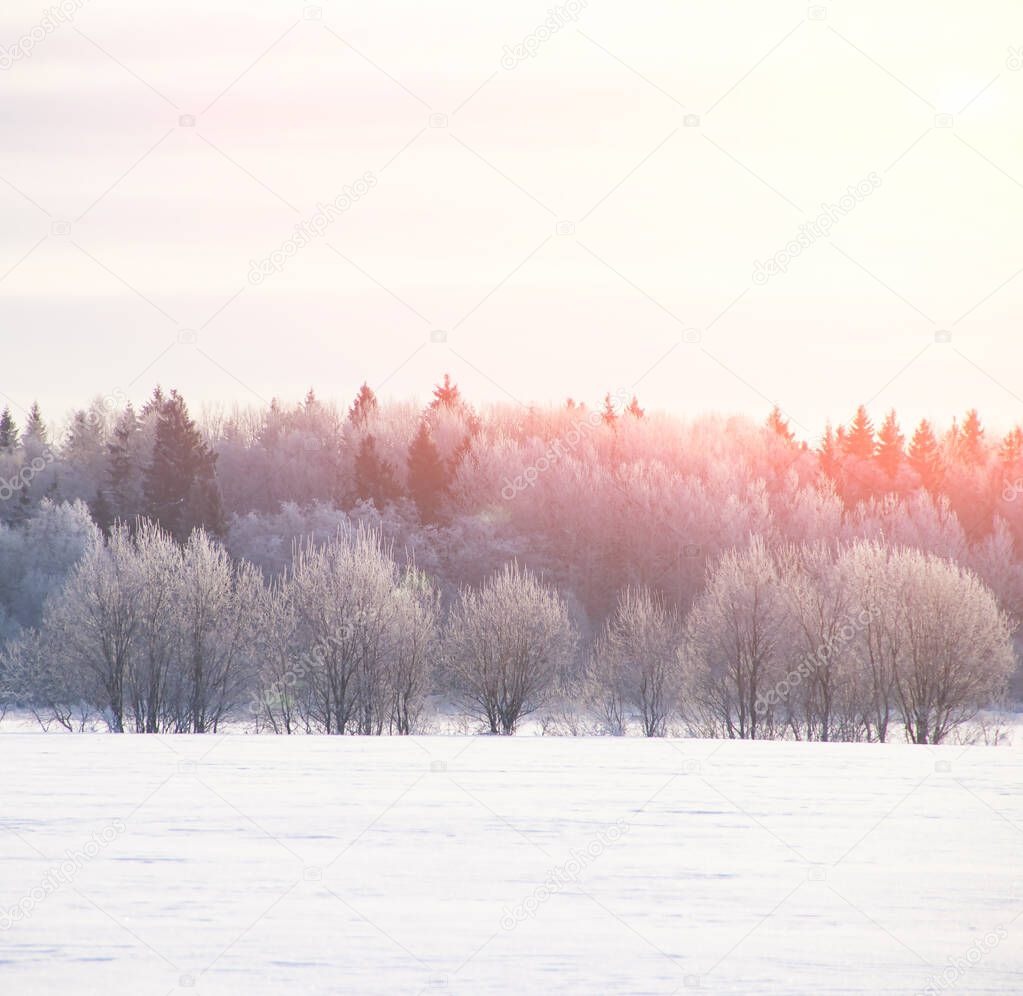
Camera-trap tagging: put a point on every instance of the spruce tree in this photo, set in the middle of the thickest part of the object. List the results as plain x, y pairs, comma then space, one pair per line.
890, 445
828, 452
374, 477
8, 432
925, 455
427, 475
859, 440
1011, 450
102, 512
972, 442
121, 493
608, 414
633, 409
778, 424
364, 407
155, 403
34, 439
180, 484
446, 395
952, 443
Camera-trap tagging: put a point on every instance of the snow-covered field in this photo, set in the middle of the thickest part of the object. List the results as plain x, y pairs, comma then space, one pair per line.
480, 865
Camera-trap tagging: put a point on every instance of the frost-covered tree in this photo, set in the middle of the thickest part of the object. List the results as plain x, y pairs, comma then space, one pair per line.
507, 644
873, 580
152, 636
637, 664
364, 408
36, 558
181, 490
735, 646
956, 649
96, 621
817, 697
414, 645
8, 431
343, 597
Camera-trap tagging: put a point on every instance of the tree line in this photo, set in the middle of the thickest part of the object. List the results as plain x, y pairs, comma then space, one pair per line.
810, 642
614, 513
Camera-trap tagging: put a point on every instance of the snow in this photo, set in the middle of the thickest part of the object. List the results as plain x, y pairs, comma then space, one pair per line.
345, 865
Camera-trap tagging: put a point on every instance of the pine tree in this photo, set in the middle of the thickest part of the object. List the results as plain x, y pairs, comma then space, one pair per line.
952, 443
364, 407
374, 476
463, 451
427, 475
180, 485
204, 504
925, 455
35, 438
121, 492
608, 415
155, 403
446, 395
778, 424
859, 441
84, 441
972, 445
273, 425
1011, 450
101, 512
890, 445
23, 508
828, 452
8, 432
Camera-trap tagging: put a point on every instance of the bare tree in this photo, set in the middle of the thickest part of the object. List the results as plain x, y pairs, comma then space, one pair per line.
32, 675
413, 648
96, 620
877, 649
342, 594
506, 643
816, 698
957, 652
637, 663
735, 639
154, 685
280, 692
216, 602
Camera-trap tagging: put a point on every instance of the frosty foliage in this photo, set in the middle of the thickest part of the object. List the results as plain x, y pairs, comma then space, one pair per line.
362, 569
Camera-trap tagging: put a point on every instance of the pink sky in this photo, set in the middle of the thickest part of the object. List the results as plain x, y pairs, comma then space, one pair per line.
587, 219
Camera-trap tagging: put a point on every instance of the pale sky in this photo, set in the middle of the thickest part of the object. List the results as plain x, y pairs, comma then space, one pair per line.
585, 218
